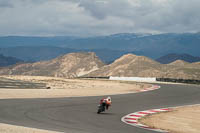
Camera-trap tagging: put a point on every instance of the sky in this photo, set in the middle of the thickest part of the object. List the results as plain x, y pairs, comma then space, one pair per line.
97, 17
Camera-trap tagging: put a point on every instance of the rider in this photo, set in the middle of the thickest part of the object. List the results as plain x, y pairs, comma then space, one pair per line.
106, 101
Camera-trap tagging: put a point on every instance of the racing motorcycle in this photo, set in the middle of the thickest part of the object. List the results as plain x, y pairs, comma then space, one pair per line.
101, 107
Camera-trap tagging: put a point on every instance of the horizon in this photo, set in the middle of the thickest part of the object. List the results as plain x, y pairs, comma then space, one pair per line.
150, 34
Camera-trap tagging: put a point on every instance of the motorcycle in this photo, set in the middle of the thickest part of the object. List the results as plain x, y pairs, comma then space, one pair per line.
101, 108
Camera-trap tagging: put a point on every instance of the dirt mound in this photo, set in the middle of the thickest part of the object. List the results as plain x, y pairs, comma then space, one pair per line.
70, 65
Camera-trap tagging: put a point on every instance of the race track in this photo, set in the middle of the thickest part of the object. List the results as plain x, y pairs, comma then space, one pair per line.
78, 115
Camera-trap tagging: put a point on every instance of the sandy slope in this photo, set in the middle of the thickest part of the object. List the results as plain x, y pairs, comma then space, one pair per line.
181, 120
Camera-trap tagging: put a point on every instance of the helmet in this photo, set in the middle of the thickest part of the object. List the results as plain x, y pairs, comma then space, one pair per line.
109, 98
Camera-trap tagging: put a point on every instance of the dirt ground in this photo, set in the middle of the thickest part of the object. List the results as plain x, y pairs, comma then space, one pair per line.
61, 87
180, 120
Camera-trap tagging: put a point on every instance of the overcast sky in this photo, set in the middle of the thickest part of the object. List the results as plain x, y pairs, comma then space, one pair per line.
97, 17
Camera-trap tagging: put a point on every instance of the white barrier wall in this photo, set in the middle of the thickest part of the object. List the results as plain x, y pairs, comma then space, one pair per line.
138, 79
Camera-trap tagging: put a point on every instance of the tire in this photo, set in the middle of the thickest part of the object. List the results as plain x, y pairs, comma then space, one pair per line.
99, 111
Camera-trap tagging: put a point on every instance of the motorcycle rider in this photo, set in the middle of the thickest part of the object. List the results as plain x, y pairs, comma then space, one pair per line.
106, 102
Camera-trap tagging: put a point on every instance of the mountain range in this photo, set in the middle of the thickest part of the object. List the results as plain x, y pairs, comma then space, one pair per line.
42, 53
140, 66
89, 65
107, 48
173, 57
7, 61
153, 46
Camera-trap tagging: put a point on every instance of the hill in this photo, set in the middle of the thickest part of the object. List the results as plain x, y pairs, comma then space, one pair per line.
169, 58
179, 63
139, 66
7, 61
69, 65
129, 65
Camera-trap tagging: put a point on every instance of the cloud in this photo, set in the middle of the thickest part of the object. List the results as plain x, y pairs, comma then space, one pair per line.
97, 17
5, 3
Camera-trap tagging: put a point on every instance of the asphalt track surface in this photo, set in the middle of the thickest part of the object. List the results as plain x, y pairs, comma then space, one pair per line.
78, 115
